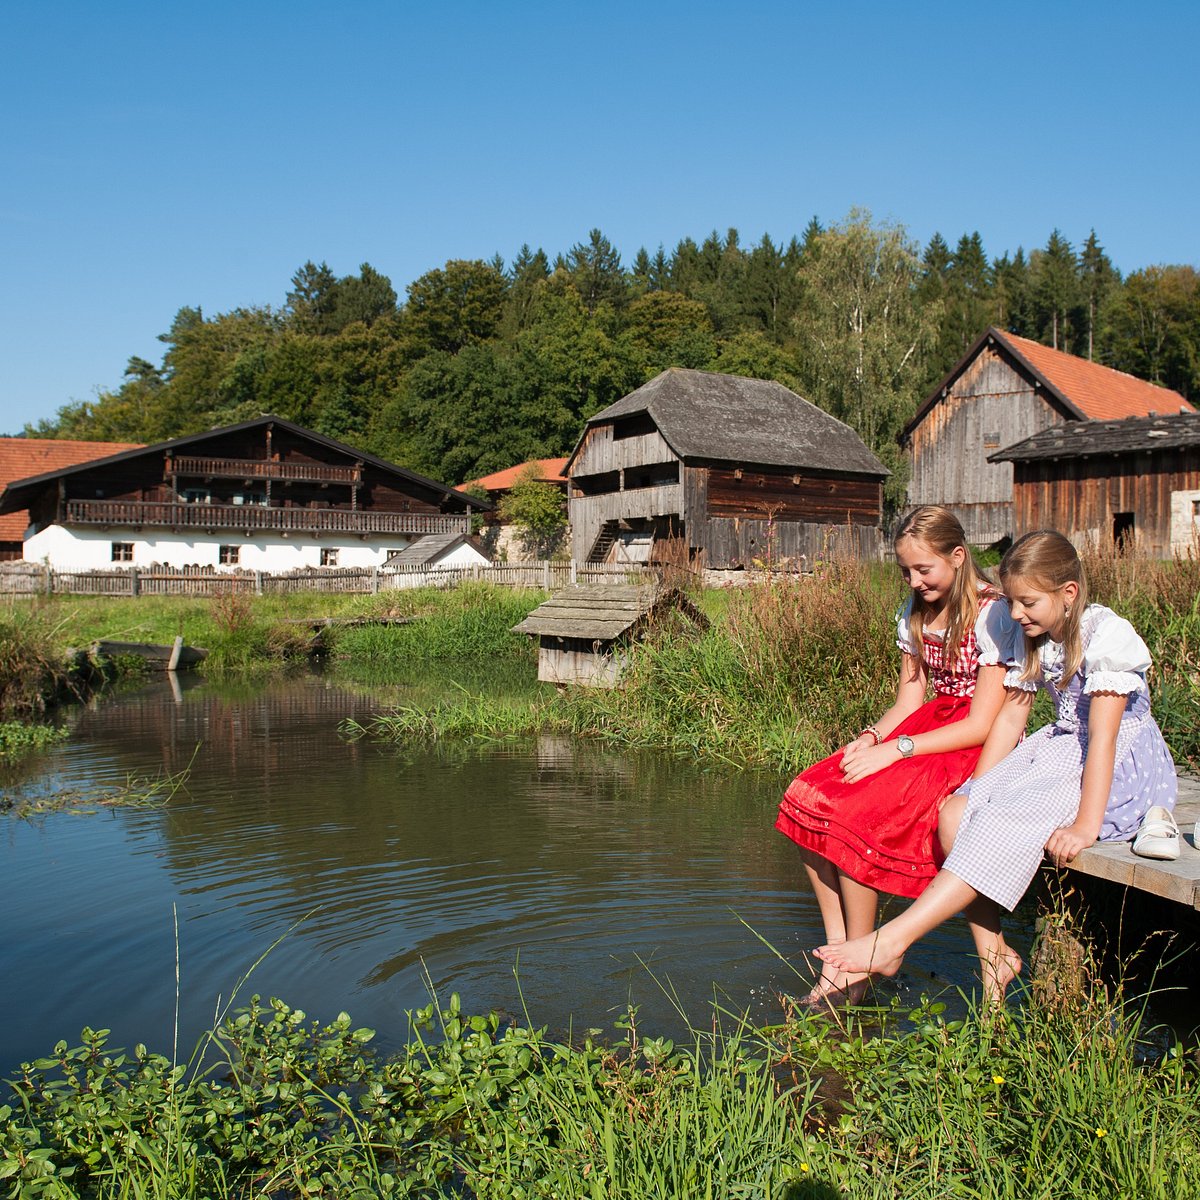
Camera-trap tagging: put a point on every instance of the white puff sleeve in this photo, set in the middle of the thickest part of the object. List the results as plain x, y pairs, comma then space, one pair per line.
1012, 679
903, 631
998, 638
1115, 658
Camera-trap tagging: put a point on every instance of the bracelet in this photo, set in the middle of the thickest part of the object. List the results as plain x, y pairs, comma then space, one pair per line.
875, 734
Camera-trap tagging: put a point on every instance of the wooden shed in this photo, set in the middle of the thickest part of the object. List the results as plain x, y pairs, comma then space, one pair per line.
736, 470
1005, 389
1128, 483
584, 632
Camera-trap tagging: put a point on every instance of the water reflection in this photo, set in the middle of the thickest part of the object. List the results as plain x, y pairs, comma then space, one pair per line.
561, 876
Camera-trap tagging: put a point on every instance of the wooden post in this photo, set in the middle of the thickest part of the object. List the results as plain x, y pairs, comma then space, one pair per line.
48, 582
176, 650
258, 583
574, 571
135, 582
374, 581
546, 575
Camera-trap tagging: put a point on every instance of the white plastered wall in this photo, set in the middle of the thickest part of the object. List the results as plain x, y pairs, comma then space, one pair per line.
1185, 522
91, 550
463, 555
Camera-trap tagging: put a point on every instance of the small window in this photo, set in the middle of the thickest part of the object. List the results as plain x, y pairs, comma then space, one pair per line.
1196, 510
196, 496
251, 497
122, 552
329, 558
229, 556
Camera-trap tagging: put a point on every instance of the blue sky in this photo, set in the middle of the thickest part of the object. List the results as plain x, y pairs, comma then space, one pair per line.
160, 155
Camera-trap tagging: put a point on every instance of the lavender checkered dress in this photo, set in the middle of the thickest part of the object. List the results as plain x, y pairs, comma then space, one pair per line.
1014, 808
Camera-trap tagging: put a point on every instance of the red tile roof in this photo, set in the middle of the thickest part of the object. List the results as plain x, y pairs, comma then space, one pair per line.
1100, 393
550, 469
22, 458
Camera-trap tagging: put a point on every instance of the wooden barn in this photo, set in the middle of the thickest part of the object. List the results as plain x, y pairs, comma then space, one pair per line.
1126, 483
1005, 389
737, 471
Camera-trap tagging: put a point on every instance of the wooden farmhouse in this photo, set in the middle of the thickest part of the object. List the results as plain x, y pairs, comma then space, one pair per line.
584, 632
21, 457
263, 495
1005, 389
735, 470
1126, 483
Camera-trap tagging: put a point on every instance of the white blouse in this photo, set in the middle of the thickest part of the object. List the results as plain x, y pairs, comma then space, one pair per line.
997, 636
1115, 659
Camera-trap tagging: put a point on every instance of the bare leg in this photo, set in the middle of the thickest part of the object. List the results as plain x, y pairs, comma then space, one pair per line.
860, 906
826, 886
999, 963
881, 953
949, 819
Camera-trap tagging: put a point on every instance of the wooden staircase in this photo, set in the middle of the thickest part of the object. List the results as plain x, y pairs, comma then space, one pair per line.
604, 541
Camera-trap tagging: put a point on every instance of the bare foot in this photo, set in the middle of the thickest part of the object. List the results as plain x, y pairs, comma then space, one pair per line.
998, 971
848, 995
869, 955
830, 981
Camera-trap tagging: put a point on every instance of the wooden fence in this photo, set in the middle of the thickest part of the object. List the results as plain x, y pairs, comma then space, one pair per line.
34, 579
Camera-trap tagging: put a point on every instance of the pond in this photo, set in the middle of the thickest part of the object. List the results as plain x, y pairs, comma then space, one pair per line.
555, 878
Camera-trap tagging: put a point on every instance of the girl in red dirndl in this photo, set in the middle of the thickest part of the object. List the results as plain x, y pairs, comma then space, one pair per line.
866, 818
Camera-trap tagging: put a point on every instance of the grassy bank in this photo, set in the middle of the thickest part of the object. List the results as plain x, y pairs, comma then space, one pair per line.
791, 668
1052, 1101
788, 670
248, 636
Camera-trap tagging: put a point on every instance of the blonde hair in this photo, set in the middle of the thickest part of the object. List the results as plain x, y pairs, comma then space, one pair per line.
1047, 560
941, 531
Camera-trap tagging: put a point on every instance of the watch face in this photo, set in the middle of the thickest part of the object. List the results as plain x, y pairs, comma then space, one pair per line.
906, 745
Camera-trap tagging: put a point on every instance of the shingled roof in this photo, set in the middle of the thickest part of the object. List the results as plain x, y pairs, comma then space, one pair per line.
1085, 439
727, 418
1083, 390
22, 457
604, 612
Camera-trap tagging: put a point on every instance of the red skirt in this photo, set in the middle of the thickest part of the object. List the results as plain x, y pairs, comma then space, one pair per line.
881, 830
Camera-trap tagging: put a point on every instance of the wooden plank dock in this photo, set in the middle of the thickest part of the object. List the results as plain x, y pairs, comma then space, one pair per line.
1178, 880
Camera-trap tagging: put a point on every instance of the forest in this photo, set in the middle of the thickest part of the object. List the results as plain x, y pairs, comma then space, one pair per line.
487, 364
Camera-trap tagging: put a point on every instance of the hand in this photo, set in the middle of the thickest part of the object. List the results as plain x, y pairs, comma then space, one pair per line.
850, 750
1066, 843
867, 761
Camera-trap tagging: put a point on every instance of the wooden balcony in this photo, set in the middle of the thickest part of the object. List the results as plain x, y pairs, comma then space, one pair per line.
251, 469
251, 518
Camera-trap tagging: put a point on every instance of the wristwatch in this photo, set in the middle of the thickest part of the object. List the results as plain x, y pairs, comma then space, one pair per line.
906, 746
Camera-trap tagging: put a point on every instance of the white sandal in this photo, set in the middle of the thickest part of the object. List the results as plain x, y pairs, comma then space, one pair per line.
1159, 835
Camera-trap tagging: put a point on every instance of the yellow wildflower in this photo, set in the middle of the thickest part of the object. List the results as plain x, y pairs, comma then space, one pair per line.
1101, 1132
997, 1079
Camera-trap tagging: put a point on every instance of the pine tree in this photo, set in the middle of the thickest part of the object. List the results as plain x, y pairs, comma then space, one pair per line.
1097, 278
1055, 290
595, 268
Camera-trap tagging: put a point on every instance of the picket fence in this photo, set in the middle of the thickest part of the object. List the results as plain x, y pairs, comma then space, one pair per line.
34, 579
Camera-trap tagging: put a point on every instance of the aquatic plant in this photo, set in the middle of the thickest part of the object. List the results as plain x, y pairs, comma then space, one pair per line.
18, 738
1068, 1101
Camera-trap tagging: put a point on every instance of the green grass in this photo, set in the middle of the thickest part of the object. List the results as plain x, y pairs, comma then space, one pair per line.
788, 670
1056, 1101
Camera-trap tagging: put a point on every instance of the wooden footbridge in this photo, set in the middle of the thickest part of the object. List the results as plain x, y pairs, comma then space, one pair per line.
1178, 880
